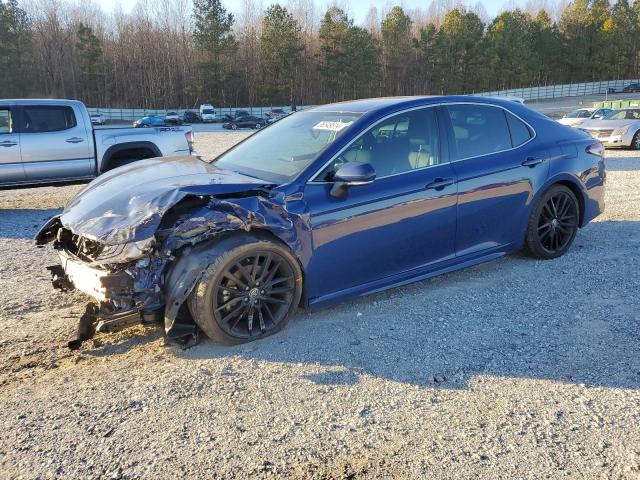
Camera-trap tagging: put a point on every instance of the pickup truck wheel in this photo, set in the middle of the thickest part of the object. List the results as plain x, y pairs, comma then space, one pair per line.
250, 291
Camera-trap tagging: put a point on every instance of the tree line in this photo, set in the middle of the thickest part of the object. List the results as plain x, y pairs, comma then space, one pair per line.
180, 53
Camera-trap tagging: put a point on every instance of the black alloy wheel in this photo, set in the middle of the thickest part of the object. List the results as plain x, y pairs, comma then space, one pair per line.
553, 224
254, 294
249, 292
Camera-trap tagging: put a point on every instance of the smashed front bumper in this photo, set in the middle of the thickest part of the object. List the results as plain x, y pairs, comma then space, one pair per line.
114, 294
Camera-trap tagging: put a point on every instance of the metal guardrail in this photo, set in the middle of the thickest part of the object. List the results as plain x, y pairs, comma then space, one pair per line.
530, 93
131, 114
560, 91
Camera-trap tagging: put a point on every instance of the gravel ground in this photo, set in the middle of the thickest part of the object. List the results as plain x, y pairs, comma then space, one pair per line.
511, 369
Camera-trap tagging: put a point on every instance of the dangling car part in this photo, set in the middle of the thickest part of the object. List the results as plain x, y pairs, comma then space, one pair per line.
327, 204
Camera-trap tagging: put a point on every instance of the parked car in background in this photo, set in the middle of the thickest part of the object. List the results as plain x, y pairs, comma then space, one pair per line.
619, 128
98, 119
207, 113
631, 88
149, 122
228, 117
331, 203
246, 121
191, 117
275, 114
579, 116
49, 141
173, 118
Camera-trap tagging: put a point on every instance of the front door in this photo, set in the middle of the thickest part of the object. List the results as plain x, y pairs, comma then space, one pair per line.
404, 220
11, 170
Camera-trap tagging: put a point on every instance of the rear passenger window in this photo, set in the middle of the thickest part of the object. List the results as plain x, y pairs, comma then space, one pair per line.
520, 132
479, 130
5, 121
48, 119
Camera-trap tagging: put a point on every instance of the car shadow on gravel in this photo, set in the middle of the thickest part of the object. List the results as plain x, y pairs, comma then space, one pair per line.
24, 223
575, 319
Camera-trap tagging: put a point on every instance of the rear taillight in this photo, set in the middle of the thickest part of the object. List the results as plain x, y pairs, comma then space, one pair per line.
189, 137
596, 149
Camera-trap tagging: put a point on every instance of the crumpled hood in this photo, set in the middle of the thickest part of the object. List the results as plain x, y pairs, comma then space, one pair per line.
127, 204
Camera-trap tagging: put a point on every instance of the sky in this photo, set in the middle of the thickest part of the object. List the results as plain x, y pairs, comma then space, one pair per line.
357, 8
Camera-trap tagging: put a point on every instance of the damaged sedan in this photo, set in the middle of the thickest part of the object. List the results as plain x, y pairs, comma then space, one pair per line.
333, 202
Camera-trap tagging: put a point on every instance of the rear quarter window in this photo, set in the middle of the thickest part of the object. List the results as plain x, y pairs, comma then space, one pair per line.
520, 132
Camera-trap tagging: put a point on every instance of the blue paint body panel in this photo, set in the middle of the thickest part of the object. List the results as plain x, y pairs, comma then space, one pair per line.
397, 229
394, 231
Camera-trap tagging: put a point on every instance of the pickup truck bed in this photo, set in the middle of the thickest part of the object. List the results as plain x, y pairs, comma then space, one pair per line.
49, 141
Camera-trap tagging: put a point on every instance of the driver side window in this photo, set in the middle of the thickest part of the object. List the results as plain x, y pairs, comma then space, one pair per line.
401, 143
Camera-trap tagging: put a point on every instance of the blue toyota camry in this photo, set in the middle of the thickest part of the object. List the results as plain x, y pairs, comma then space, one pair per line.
326, 204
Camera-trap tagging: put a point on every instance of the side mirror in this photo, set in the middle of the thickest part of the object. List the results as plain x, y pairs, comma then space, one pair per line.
352, 174
597, 116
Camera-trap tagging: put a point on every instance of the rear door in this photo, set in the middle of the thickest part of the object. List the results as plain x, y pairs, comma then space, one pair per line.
55, 143
499, 168
11, 170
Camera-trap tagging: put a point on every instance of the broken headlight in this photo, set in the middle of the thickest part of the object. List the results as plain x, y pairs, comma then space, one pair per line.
125, 252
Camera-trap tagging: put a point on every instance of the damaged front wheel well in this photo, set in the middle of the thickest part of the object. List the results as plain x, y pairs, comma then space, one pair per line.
189, 266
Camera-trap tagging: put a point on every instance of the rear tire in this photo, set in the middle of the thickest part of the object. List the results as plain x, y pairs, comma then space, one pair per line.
250, 291
553, 224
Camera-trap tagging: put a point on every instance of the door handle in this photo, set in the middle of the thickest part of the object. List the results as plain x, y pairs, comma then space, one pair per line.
532, 162
8, 143
440, 183
75, 140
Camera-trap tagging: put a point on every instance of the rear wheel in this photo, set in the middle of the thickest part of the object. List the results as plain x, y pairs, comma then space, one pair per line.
553, 224
249, 292
234, 126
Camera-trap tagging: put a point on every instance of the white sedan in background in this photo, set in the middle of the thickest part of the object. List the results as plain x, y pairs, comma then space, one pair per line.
620, 128
98, 119
577, 117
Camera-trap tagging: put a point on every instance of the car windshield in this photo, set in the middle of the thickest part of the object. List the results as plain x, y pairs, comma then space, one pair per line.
207, 111
579, 114
280, 152
627, 114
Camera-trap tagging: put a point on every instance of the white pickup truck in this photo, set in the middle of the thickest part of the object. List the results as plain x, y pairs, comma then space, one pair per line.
50, 141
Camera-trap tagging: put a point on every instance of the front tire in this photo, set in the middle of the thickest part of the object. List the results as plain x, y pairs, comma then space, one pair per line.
635, 142
553, 224
249, 292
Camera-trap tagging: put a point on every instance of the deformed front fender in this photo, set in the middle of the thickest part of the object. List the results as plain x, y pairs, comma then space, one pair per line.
193, 242
179, 282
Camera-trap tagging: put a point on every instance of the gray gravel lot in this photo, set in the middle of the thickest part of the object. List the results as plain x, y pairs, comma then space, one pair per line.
512, 369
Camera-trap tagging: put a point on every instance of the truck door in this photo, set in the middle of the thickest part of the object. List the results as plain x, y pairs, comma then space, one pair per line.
11, 170
55, 143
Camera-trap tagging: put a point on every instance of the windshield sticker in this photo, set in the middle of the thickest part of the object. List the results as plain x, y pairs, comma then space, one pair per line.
331, 126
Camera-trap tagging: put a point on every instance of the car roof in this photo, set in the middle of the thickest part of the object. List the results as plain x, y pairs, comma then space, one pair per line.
396, 103
38, 101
